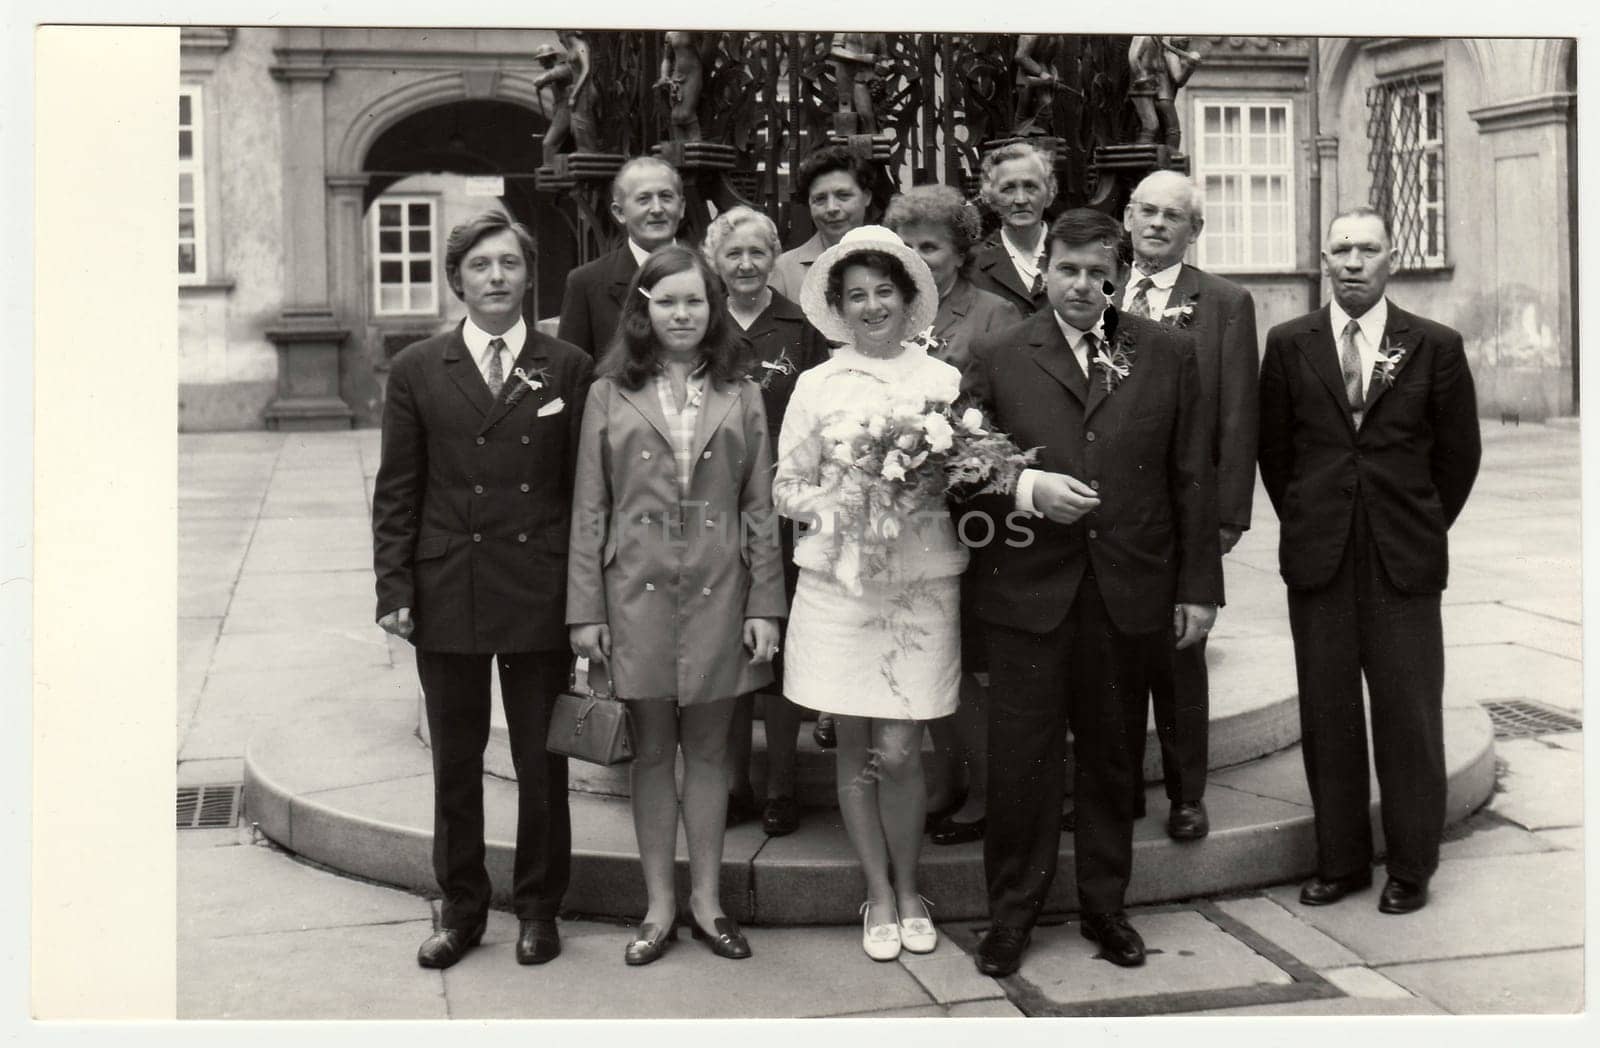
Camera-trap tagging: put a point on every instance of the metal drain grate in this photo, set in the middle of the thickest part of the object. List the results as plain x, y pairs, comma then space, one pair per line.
1517, 718
209, 807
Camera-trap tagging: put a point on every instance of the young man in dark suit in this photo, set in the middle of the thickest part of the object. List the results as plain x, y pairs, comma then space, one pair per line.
1163, 218
470, 518
1369, 446
1107, 549
647, 202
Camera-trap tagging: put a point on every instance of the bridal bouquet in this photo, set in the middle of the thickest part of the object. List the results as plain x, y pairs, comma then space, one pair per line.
902, 462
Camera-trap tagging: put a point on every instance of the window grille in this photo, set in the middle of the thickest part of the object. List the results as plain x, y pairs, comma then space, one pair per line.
1405, 135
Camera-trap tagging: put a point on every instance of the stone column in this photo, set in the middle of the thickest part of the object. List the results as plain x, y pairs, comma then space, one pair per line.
1525, 152
307, 332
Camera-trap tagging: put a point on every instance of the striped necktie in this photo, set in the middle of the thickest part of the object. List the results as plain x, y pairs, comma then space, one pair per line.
1350, 364
1140, 306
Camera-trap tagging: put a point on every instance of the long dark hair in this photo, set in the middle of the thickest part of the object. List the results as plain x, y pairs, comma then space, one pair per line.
634, 354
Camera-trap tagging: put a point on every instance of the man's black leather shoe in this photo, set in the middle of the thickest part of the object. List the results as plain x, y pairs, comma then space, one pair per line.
1401, 896
1119, 943
1000, 952
953, 832
538, 942
448, 945
1320, 892
1188, 821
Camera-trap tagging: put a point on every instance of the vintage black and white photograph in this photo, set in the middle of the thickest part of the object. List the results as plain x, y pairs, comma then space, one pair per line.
771, 524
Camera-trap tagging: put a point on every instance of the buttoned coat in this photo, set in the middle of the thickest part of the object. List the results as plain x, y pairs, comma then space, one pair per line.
1227, 354
992, 271
675, 576
1153, 539
1411, 463
780, 344
592, 302
965, 314
471, 508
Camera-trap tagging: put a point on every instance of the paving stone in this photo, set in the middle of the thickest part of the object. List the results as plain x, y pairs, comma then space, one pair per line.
1496, 838
1541, 786
1286, 931
220, 892
363, 972
999, 1008
221, 837
1570, 839
1494, 904
1490, 672
1360, 981
1339, 1006
794, 972
303, 586
1194, 955
358, 644
331, 611
1545, 983
205, 594
1498, 623
269, 560
196, 504
949, 975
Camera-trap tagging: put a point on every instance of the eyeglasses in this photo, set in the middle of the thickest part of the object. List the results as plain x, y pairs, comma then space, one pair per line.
1171, 214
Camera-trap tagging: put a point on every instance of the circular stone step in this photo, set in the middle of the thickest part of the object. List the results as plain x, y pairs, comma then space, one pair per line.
350, 786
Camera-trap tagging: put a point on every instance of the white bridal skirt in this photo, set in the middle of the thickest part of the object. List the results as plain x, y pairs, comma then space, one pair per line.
894, 652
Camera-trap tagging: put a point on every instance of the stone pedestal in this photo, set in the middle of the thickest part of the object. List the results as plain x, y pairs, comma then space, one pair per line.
308, 373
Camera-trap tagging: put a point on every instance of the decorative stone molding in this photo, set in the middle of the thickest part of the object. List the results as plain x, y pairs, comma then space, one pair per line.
1327, 146
301, 63
1533, 111
479, 83
1253, 52
199, 48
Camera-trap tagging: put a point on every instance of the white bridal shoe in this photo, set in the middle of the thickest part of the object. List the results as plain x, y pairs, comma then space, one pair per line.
918, 934
881, 941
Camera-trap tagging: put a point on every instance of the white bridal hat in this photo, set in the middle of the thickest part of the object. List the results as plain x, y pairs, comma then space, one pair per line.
827, 320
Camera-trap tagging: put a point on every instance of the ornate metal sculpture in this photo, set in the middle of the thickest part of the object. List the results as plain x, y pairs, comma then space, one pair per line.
1158, 67
682, 73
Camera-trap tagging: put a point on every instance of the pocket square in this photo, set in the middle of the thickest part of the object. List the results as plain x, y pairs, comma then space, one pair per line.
552, 408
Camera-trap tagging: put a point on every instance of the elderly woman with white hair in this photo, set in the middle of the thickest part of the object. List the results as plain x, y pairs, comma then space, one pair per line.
742, 246
1017, 182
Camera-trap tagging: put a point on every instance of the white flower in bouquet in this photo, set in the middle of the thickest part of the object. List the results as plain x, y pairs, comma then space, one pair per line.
907, 441
940, 435
972, 422
842, 429
876, 425
894, 466
945, 387
842, 453
890, 528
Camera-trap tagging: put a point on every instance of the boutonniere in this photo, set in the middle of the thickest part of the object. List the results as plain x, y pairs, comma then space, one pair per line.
771, 369
526, 383
1390, 354
1179, 316
1115, 363
927, 341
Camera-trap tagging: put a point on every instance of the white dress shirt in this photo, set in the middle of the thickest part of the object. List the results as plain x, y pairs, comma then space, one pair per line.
1078, 341
1160, 291
1370, 337
1026, 263
639, 253
478, 340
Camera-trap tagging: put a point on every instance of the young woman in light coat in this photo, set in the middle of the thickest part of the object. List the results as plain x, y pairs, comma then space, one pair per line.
674, 580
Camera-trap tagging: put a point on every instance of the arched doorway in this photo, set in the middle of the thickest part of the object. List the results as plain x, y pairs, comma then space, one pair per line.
421, 176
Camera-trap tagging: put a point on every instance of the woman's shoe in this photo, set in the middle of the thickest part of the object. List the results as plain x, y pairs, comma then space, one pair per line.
651, 942
781, 817
729, 941
918, 934
881, 941
937, 818
822, 732
953, 832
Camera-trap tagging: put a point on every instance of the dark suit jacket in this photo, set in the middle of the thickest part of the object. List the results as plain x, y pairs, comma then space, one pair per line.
783, 338
1227, 353
1153, 540
592, 302
969, 313
992, 271
1411, 464
472, 505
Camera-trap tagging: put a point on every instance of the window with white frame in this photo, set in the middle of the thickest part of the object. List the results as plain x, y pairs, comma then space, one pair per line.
191, 189
405, 256
1245, 164
1405, 136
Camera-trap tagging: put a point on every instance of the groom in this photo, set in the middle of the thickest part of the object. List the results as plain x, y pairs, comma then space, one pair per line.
1121, 556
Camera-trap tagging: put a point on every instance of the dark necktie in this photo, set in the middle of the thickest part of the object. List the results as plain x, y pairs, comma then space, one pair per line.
1090, 343
1038, 277
1350, 364
1140, 306
496, 377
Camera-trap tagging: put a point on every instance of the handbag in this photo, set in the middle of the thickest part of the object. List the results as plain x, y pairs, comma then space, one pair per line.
590, 726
